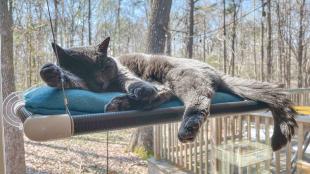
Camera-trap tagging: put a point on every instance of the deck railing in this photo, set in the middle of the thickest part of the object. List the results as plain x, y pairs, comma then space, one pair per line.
200, 156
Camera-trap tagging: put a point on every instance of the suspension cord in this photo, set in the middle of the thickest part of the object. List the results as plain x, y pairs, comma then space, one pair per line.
66, 101
62, 78
107, 152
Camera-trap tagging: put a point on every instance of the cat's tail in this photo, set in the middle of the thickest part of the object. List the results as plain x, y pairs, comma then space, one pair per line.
270, 94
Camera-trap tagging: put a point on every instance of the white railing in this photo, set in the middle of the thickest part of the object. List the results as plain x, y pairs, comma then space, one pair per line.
200, 156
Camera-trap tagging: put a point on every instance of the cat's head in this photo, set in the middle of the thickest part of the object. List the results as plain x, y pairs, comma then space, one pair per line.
92, 64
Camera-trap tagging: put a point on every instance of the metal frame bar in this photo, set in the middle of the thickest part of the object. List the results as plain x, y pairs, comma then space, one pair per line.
87, 123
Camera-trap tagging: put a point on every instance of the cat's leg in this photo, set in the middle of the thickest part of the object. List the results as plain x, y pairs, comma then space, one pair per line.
196, 112
164, 94
137, 88
51, 74
126, 102
195, 90
139, 93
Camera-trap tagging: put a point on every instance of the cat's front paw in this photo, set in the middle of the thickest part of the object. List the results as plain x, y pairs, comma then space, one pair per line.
51, 75
120, 103
142, 91
191, 123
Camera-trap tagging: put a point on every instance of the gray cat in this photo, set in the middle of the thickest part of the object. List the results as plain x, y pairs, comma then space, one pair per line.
150, 80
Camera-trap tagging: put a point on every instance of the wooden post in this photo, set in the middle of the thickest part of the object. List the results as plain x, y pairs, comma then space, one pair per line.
278, 164
214, 141
200, 149
288, 158
267, 140
257, 128
156, 142
195, 155
300, 138
206, 145
169, 142
249, 128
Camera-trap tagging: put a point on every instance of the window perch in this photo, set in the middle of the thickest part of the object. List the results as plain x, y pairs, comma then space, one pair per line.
43, 114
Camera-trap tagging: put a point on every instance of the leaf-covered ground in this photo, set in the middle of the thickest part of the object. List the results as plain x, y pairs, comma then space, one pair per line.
83, 154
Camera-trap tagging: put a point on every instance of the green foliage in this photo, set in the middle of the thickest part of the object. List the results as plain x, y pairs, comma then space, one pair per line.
143, 153
213, 60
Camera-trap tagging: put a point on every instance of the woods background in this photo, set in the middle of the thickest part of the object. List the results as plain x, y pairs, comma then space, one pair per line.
258, 39
264, 40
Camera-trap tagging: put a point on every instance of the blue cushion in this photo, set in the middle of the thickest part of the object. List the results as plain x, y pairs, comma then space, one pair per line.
47, 101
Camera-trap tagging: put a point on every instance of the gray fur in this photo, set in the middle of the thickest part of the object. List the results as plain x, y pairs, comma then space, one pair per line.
150, 80
52, 74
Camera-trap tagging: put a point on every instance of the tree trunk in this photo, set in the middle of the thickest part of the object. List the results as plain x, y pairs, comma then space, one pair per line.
56, 20
269, 49
89, 22
190, 42
118, 23
142, 138
63, 26
224, 35
204, 41
3, 4
262, 41
82, 31
158, 25
280, 42
254, 44
168, 42
305, 67
29, 62
288, 65
13, 137
233, 41
300, 48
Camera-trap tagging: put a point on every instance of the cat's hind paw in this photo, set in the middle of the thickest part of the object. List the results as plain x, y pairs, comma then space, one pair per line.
120, 103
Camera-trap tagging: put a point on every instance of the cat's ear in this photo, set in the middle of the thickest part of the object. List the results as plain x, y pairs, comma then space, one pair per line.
64, 57
60, 52
103, 46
